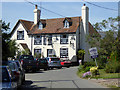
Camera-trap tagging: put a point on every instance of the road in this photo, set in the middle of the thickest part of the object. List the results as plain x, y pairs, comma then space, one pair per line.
58, 78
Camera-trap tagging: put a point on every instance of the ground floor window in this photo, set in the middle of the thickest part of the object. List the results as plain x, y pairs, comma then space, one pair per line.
50, 53
63, 52
37, 53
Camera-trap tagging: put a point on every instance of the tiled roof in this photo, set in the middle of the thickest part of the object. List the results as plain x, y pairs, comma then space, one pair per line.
54, 26
57, 26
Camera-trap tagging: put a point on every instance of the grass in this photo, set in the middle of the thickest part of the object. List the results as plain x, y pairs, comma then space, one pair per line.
102, 75
105, 75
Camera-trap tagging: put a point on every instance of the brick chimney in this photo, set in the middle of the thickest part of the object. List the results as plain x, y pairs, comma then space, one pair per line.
36, 14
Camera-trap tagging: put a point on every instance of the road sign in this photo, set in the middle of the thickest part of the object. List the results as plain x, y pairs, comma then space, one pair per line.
93, 52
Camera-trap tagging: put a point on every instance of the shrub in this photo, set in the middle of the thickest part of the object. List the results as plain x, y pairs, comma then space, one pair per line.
87, 74
101, 61
113, 64
87, 64
87, 69
112, 67
94, 70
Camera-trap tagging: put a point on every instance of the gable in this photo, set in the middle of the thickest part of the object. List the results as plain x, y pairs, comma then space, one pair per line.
26, 24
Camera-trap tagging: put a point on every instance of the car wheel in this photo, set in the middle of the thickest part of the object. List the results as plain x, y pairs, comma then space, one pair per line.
23, 79
59, 67
33, 70
45, 69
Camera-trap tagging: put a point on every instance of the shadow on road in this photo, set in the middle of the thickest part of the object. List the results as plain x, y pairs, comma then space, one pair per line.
27, 85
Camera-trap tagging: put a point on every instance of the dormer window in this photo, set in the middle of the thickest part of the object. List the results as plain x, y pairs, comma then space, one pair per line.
40, 26
66, 24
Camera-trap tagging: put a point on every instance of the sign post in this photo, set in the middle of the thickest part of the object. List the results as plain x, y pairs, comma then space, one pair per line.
94, 54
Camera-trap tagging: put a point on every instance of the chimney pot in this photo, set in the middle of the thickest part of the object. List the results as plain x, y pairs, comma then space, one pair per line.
35, 6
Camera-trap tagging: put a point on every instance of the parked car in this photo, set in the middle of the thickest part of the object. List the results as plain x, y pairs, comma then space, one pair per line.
42, 64
28, 63
21, 70
16, 71
66, 63
7, 82
54, 62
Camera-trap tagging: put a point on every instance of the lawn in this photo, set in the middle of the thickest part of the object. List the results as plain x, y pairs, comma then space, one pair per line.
103, 75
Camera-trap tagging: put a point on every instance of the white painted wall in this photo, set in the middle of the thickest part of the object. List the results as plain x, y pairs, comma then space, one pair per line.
26, 40
56, 46
85, 31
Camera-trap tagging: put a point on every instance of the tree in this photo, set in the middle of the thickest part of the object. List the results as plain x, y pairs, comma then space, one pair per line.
25, 52
107, 44
9, 47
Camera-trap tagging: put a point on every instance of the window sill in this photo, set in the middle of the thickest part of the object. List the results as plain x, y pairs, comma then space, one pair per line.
20, 39
37, 44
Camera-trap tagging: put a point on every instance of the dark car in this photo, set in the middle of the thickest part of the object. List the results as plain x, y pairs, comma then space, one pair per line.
7, 82
42, 64
15, 72
28, 63
21, 70
66, 63
54, 62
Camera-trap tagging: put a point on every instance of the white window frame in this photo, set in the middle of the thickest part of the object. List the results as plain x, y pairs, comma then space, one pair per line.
66, 24
38, 40
40, 26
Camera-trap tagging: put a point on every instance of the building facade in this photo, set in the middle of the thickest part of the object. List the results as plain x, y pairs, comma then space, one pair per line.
60, 37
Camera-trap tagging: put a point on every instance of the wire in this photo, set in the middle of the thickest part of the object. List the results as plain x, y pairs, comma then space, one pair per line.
45, 9
100, 6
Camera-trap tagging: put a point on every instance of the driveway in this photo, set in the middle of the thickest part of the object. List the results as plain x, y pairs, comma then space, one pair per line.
58, 78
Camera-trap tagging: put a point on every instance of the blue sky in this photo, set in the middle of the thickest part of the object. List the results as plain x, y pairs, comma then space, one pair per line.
13, 11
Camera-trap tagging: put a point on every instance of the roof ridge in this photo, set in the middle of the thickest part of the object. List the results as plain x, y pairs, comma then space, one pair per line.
24, 20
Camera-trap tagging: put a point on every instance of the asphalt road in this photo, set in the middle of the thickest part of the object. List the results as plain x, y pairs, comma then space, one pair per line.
57, 78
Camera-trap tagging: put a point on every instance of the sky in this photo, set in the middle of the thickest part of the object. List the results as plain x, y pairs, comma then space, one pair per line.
13, 11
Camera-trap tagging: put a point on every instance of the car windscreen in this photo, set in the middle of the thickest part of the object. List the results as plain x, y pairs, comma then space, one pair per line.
5, 75
55, 59
45, 60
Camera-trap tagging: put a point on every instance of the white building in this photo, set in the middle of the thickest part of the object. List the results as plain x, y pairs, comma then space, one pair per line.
61, 37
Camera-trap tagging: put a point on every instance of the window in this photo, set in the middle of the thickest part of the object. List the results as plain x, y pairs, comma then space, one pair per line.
44, 40
63, 52
50, 40
40, 26
20, 35
63, 39
66, 24
38, 40
50, 53
37, 52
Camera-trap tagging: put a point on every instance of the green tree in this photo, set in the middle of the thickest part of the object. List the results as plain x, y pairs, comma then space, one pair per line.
25, 52
107, 44
8, 46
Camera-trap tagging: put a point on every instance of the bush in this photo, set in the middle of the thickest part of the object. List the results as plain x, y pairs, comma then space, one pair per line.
112, 67
86, 67
87, 74
94, 71
87, 64
113, 64
101, 61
